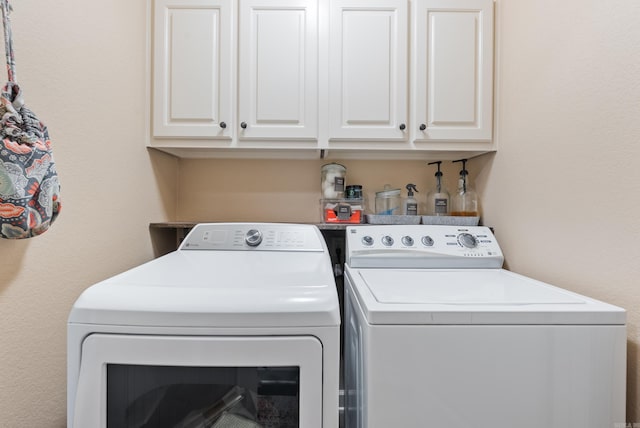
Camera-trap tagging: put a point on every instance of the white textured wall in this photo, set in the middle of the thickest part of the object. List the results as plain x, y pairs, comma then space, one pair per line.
82, 67
287, 190
563, 190
569, 127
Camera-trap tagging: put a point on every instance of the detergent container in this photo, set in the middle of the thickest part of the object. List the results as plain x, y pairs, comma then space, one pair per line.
438, 197
465, 200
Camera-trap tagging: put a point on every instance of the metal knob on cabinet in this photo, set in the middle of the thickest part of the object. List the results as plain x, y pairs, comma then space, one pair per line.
403, 126
223, 125
423, 127
243, 125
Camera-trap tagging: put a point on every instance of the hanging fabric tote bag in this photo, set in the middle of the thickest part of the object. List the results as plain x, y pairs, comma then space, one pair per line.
29, 187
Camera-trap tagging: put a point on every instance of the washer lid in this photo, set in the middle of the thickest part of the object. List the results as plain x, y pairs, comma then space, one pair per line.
217, 289
472, 296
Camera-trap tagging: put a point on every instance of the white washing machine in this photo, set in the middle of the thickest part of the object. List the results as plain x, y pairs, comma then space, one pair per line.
239, 327
438, 335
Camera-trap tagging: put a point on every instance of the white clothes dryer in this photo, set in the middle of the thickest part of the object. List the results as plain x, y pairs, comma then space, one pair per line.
239, 327
437, 335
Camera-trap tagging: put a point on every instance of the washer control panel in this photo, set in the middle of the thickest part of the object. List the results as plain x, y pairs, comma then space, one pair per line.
422, 246
254, 237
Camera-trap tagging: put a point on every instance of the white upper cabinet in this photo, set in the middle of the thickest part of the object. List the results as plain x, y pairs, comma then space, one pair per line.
192, 66
278, 69
368, 70
452, 70
402, 79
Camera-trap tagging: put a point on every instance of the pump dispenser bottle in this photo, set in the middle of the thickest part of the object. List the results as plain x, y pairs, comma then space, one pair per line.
465, 200
438, 197
410, 206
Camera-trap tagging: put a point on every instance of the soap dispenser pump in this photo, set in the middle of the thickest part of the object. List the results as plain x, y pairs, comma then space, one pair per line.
410, 204
438, 197
465, 200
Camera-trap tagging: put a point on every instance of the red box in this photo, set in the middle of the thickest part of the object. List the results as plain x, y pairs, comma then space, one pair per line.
342, 210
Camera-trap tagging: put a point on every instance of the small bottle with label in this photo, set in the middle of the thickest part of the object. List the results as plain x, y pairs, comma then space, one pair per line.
438, 197
410, 206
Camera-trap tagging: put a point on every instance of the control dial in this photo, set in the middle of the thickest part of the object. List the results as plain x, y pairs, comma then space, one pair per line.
427, 241
253, 238
407, 241
467, 240
367, 241
387, 241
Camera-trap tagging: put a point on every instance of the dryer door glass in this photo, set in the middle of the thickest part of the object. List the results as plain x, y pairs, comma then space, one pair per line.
182, 396
137, 381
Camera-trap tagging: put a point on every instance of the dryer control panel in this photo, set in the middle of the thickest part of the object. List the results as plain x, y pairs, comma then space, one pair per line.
422, 246
254, 237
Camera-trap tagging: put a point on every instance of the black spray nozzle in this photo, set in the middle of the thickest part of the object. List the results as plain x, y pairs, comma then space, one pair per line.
411, 188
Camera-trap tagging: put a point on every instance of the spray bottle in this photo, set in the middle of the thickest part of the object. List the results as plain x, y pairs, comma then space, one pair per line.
438, 197
465, 200
410, 206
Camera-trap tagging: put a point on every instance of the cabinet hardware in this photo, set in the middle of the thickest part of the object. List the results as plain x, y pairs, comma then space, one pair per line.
243, 125
223, 125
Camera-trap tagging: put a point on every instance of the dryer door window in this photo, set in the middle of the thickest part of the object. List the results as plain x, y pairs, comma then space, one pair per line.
171, 396
129, 381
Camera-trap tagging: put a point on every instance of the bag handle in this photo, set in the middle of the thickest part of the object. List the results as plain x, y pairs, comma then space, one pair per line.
8, 41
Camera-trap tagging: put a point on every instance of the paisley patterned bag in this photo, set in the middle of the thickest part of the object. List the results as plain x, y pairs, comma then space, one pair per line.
29, 187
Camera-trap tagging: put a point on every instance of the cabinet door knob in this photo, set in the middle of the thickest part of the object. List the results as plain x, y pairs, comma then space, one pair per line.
423, 127
243, 125
402, 126
223, 125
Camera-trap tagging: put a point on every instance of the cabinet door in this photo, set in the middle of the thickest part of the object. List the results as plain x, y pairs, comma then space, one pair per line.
452, 70
192, 68
368, 70
278, 69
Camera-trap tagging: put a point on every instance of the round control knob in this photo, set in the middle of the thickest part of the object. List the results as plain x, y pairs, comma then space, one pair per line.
407, 241
367, 241
387, 241
253, 238
427, 241
467, 240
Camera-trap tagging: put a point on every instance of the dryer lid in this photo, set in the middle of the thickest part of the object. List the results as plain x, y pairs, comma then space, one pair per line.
472, 296
217, 289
